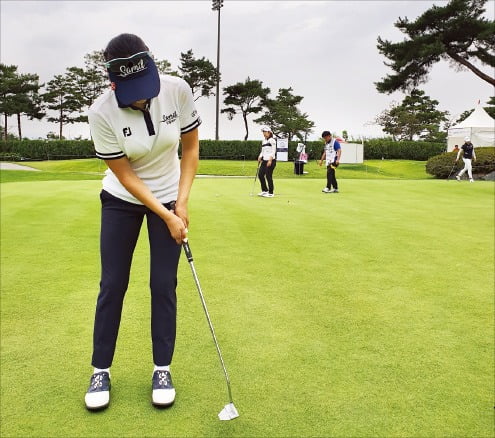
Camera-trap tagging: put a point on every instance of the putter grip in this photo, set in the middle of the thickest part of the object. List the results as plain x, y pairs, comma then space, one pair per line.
187, 250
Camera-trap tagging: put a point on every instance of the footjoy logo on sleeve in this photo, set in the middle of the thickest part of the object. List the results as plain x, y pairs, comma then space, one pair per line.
135, 68
171, 118
127, 132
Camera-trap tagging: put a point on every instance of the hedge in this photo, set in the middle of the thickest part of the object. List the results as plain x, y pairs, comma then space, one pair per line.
17, 150
444, 165
377, 149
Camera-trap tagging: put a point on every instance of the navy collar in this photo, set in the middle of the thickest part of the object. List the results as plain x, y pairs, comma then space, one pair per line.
146, 108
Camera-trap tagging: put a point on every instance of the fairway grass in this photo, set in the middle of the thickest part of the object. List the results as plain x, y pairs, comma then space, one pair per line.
93, 168
364, 313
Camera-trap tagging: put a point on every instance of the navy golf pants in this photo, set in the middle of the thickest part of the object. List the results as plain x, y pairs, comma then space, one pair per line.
331, 179
120, 225
265, 175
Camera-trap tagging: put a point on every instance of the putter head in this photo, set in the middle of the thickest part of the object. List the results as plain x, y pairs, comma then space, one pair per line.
229, 412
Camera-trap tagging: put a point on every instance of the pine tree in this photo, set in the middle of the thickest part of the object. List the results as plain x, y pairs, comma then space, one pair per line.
284, 117
417, 115
457, 32
19, 96
200, 74
245, 97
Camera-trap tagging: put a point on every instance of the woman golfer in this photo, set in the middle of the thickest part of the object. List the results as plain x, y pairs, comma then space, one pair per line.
268, 162
136, 128
468, 155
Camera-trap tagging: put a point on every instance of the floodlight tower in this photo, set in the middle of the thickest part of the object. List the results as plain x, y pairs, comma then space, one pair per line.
216, 5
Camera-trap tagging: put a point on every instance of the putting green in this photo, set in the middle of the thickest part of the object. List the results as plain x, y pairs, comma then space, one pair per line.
363, 313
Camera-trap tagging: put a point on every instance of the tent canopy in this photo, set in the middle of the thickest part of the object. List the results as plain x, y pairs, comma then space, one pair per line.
479, 126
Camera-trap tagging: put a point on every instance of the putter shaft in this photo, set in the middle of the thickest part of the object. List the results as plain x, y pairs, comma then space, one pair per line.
189, 257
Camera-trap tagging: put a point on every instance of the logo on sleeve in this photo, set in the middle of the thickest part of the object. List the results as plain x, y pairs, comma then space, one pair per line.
127, 132
171, 118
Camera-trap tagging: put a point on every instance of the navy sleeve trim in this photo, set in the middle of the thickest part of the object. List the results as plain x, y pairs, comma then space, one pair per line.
191, 126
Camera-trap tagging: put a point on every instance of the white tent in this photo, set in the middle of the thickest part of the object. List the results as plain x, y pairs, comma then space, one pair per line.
479, 126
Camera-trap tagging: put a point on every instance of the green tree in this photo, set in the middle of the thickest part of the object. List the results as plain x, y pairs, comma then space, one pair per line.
245, 97
464, 116
457, 32
200, 74
283, 116
416, 115
19, 96
8, 78
490, 109
64, 95
165, 68
94, 76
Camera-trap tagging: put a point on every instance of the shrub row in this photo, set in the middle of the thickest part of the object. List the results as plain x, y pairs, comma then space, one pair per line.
377, 149
16, 150
250, 149
441, 166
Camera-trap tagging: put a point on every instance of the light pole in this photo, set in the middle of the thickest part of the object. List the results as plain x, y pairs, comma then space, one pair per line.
216, 5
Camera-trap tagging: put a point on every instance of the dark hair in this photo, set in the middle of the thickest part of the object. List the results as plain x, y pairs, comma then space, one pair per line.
123, 46
271, 134
325, 133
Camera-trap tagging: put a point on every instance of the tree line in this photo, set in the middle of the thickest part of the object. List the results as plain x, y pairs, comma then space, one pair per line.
70, 94
457, 32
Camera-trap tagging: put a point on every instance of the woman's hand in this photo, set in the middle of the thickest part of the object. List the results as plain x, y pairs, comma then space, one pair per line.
177, 226
181, 211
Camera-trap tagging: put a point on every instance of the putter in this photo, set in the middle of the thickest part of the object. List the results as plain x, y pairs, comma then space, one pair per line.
451, 170
255, 176
229, 412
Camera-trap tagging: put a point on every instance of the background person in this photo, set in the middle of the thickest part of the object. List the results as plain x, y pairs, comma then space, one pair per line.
136, 127
268, 162
467, 150
331, 155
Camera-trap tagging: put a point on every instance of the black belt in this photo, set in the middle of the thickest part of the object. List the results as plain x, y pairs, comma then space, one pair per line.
170, 205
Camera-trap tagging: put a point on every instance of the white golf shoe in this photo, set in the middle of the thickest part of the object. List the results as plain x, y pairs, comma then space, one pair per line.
163, 392
98, 395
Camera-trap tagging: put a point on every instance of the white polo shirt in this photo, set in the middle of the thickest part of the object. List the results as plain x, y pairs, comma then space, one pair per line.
124, 132
268, 149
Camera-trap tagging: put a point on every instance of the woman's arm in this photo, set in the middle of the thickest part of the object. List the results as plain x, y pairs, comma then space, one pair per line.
136, 187
273, 154
188, 169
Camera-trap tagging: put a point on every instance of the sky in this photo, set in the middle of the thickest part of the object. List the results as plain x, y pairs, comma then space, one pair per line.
325, 50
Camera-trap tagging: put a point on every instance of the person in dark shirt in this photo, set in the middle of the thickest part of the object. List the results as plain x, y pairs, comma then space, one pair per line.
468, 155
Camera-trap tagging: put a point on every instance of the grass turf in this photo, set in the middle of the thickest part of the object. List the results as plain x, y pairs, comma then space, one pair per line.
367, 313
93, 169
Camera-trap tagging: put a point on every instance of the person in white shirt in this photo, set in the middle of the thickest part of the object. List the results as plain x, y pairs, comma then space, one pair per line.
267, 160
331, 154
136, 127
